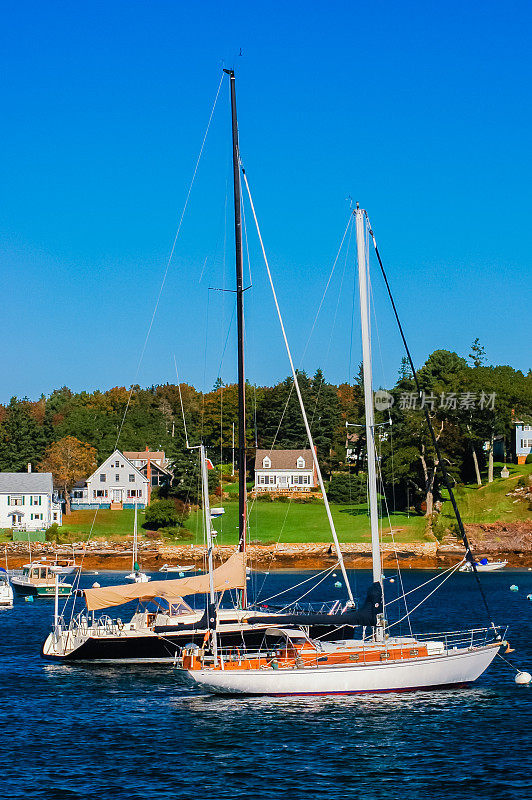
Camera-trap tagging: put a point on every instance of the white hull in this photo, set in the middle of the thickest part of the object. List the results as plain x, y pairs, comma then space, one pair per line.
493, 566
6, 596
138, 577
451, 669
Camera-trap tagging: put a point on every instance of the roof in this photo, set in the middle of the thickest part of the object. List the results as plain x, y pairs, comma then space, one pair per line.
284, 459
142, 455
26, 482
80, 485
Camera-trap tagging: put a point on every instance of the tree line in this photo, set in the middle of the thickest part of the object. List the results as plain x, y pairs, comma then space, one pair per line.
470, 404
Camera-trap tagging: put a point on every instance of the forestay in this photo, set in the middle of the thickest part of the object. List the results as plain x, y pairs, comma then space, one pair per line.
230, 575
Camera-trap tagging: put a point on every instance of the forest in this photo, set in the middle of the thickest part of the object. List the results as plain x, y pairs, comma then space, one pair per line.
472, 407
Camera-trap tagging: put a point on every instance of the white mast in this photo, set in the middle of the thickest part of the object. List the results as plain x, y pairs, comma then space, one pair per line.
368, 391
208, 536
133, 567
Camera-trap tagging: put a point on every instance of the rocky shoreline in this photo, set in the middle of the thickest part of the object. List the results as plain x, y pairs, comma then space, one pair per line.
494, 541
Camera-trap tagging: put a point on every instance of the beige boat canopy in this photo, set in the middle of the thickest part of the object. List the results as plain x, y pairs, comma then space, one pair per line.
230, 575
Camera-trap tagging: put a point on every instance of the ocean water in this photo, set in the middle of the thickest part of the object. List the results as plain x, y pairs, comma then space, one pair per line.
133, 732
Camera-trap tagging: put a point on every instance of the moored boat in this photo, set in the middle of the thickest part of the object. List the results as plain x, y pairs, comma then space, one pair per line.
6, 592
39, 579
483, 566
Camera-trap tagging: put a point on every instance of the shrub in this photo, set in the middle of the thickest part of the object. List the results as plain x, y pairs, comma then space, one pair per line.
264, 497
52, 534
528, 459
181, 534
283, 498
161, 514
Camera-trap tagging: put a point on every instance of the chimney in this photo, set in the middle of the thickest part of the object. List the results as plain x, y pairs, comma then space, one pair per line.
29, 466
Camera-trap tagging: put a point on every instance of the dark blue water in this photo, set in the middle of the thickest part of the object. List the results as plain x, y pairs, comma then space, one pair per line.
139, 732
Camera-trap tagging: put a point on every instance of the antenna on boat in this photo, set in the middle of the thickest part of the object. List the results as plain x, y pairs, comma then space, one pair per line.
242, 491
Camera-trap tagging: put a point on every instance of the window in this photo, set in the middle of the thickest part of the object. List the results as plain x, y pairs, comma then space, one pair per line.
102, 477
266, 462
527, 427
300, 462
100, 493
117, 477
134, 492
16, 501
117, 463
132, 479
55, 516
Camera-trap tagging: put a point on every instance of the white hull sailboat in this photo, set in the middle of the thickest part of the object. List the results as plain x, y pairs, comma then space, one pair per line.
289, 662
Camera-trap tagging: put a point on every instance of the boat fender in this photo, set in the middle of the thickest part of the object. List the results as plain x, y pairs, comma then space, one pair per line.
523, 678
95, 585
181, 574
514, 587
119, 624
29, 598
274, 664
337, 585
529, 597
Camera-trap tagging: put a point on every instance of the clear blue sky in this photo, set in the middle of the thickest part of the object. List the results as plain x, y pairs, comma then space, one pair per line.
419, 110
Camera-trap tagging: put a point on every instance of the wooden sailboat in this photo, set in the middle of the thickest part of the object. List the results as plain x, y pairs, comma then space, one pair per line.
289, 661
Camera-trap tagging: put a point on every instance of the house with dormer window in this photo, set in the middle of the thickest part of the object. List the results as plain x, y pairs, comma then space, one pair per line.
116, 484
284, 471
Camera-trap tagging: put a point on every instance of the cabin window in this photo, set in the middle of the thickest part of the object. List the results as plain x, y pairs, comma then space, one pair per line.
300, 463
102, 477
266, 462
132, 479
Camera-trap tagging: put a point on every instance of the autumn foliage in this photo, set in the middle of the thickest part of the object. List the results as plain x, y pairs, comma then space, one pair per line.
69, 461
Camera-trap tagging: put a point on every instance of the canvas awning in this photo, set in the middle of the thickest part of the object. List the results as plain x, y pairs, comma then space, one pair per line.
231, 575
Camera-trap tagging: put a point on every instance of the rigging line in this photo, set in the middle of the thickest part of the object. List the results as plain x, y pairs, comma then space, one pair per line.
181, 402
298, 600
436, 588
469, 554
379, 471
301, 583
274, 551
301, 404
430, 580
169, 260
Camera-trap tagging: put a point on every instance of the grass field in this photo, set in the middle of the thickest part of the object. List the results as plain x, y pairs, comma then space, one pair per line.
488, 503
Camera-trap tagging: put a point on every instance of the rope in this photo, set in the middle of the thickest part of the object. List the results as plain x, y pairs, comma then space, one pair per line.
301, 583
469, 554
298, 391
451, 573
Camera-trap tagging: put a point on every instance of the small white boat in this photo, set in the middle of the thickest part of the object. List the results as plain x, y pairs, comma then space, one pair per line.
484, 566
136, 575
177, 568
6, 592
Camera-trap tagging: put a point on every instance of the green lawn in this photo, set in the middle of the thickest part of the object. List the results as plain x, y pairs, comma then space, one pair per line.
488, 503
108, 524
300, 522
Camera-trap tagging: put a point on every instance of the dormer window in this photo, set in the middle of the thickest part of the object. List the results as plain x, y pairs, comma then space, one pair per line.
266, 462
300, 462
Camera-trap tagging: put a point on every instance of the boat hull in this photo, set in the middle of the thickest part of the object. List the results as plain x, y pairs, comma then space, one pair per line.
452, 669
27, 589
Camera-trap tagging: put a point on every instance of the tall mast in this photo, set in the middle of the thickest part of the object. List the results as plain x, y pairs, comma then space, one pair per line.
368, 391
242, 494
211, 605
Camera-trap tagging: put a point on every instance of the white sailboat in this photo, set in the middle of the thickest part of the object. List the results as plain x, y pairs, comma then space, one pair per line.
136, 575
289, 662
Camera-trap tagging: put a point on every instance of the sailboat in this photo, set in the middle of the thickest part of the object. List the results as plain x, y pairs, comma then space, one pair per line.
289, 661
136, 575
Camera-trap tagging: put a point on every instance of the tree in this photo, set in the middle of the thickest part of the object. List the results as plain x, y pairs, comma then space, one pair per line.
21, 437
161, 514
477, 356
69, 461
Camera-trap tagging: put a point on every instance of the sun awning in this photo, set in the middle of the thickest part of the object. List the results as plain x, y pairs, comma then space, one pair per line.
231, 575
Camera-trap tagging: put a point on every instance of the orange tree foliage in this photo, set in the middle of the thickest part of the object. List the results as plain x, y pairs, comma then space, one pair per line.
69, 461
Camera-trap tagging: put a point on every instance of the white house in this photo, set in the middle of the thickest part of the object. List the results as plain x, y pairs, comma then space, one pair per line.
523, 441
116, 484
27, 501
284, 471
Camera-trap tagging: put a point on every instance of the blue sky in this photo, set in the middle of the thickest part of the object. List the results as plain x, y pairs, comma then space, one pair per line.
421, 111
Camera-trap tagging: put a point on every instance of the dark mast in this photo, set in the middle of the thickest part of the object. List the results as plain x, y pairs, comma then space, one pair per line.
242, 494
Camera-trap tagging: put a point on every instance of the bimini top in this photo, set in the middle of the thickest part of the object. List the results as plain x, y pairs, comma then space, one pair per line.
231, 575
